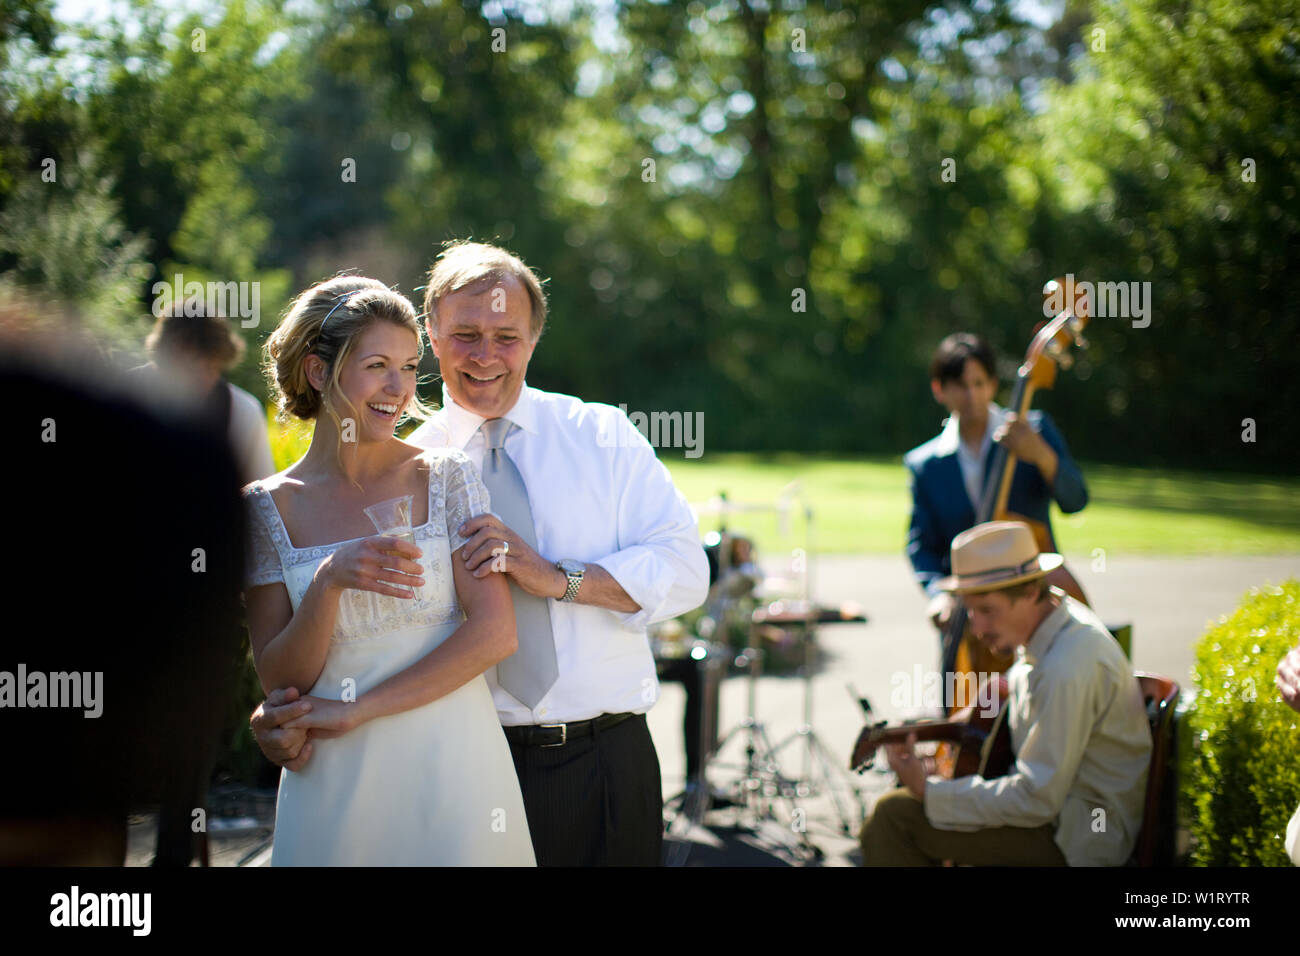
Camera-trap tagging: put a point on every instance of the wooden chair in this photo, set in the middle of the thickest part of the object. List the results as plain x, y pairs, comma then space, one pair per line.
1155, 843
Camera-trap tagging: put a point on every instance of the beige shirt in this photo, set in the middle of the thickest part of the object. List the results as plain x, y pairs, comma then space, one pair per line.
1082, 744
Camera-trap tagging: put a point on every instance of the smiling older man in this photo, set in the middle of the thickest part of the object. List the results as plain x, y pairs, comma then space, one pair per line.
597, 543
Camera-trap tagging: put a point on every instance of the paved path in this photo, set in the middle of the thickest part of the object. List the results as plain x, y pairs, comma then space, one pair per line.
1169, 601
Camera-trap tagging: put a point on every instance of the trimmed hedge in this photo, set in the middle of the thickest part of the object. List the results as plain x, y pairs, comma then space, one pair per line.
1243, 782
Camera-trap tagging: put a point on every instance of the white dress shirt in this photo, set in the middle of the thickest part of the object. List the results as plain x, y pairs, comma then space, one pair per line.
1082, 744
599, 496
972, 465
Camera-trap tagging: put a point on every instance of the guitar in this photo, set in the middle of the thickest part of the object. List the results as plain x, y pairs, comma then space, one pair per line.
981, 736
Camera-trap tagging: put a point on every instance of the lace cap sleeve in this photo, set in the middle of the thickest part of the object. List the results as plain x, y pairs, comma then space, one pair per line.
261, 559
465, 495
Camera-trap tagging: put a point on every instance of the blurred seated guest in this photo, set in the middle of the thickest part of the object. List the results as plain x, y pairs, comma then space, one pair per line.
123, 619
1288, 682
190, 351
1079, 731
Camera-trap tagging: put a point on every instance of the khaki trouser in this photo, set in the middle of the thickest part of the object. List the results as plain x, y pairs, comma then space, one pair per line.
899, 834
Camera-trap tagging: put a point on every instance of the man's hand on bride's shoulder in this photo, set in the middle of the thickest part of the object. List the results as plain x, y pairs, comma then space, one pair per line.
285, 747
328, 718
492, 547
380, 563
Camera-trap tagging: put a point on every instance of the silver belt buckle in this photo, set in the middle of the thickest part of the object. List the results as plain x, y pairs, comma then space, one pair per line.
564, 734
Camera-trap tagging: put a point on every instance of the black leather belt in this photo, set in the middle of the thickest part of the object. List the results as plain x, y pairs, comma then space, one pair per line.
557, 735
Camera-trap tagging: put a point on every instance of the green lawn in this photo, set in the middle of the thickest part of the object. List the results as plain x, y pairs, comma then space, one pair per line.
863, 506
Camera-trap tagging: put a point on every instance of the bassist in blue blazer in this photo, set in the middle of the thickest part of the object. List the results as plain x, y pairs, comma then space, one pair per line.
948, 472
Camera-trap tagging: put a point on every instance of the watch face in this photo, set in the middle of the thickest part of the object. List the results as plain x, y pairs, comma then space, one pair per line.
571, 567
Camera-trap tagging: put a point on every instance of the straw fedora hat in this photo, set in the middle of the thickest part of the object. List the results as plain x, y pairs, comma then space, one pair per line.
996, 555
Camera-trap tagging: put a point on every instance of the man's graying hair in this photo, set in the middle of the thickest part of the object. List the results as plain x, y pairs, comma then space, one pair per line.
465, 265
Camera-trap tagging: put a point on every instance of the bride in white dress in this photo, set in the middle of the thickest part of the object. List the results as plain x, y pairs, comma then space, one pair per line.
407, 762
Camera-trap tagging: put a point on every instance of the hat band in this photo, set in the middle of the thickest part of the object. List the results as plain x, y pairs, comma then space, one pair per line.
1011, 572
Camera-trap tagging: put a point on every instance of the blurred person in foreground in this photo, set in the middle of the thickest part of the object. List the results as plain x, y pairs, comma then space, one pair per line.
122, 631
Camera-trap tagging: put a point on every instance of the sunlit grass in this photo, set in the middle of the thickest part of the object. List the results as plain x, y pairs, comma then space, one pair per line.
862, 505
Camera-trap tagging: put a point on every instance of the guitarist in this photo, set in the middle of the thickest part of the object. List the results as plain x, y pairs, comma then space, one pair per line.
1078, 731
947, 473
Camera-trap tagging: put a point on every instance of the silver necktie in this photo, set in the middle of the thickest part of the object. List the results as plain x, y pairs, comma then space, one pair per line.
531, 671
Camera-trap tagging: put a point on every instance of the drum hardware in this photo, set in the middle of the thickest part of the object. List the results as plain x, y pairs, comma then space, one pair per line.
762, 782
733, 578
865, 704
820, 771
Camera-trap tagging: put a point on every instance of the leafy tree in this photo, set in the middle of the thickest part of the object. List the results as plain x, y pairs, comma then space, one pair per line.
69, 247
1180, 170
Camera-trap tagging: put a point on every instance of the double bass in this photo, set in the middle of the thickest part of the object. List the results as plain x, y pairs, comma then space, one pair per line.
1048, 350
975, 742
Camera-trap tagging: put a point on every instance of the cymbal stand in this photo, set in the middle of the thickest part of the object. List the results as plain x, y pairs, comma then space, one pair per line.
686, 810
820, 771
762, 781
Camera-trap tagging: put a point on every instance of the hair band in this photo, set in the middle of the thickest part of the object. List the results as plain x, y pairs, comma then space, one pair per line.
343, 300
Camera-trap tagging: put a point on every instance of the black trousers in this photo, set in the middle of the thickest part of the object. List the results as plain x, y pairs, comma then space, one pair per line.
691, 674
596, 801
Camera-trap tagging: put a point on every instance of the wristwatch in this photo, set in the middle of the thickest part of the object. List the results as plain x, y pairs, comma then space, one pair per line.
574, 572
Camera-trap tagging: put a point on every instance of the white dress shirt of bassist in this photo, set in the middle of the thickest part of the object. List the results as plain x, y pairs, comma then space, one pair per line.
598, 495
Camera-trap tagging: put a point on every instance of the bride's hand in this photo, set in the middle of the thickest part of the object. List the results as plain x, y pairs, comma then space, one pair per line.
327, 718
367, 565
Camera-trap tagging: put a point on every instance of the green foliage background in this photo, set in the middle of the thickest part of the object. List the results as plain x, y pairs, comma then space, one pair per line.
741, 207
1243, 780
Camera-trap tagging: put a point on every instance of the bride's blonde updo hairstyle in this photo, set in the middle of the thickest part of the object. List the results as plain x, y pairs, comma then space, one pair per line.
325, 321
